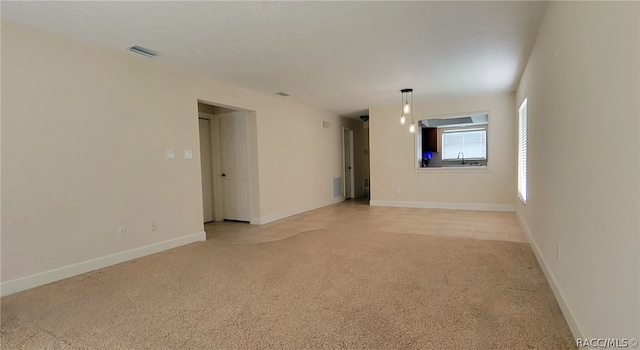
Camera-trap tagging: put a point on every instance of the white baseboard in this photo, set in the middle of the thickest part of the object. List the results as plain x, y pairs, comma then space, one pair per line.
440, 205
566, 311
42, 278
283, 214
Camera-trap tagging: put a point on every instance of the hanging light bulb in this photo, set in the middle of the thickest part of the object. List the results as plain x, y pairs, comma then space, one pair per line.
407, 100
407, 108
412, 128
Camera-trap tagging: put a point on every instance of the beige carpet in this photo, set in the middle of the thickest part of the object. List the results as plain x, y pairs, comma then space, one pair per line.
320, 289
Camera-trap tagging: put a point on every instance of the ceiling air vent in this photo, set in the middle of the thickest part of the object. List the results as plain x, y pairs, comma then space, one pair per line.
144, 52
283, 94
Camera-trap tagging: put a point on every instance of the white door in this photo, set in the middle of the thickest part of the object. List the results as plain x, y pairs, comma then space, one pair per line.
348, 163
235, 172
205, 165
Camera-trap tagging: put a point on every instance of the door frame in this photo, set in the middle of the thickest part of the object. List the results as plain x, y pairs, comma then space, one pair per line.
347, 148
252, 159
210, 149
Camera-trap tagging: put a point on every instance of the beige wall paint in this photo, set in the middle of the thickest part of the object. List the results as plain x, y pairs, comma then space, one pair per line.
393, 158
84, 135
582, 83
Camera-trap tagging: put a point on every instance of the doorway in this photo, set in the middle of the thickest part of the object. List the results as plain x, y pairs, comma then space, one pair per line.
224, 163
348, 173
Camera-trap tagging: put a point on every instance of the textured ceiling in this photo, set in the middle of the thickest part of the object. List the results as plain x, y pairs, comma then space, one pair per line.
341, 57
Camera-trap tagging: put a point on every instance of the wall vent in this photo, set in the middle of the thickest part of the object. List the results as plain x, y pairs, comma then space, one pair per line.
143, 51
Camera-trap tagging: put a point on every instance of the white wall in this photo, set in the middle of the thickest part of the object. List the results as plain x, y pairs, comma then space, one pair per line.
84, 135
393, 159
582, 83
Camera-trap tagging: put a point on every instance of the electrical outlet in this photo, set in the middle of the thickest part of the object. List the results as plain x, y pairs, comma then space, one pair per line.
122, 231
398, 191
154, 226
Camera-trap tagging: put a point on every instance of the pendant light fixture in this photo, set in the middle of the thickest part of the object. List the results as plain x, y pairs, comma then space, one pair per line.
407, 109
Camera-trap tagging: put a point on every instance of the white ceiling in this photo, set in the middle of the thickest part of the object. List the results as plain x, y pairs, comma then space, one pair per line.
342, 57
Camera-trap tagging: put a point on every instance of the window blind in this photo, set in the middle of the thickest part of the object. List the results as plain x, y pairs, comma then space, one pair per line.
522, 151
467, 144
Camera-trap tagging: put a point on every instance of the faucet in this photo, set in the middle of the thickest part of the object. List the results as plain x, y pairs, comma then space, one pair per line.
459, 153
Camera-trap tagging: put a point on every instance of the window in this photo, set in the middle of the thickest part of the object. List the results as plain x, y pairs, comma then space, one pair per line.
464, 144
522, 151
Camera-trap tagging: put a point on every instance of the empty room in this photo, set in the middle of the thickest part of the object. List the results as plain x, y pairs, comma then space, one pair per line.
319, 175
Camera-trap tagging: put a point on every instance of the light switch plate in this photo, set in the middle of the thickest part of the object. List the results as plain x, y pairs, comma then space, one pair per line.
188, 155
171, 154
